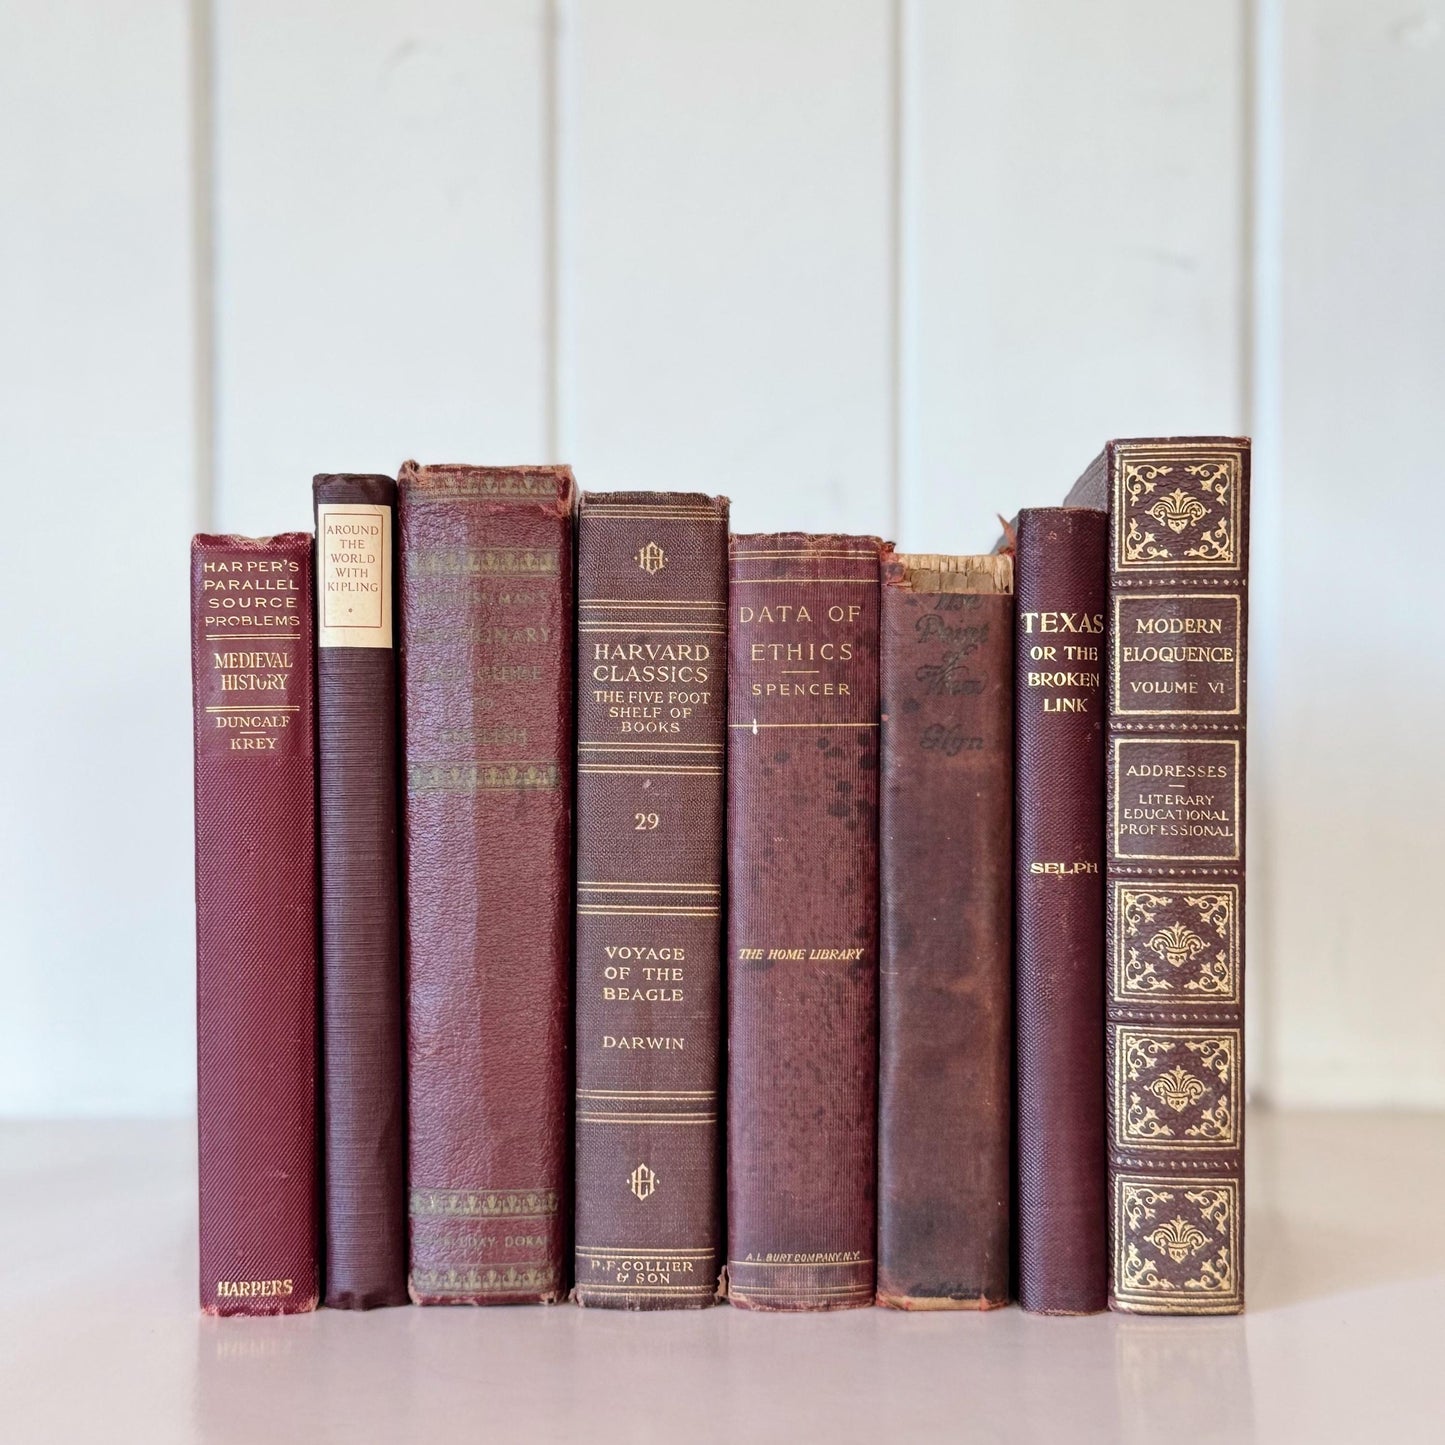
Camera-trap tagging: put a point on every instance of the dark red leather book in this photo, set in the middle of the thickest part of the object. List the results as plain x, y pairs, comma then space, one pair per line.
1061, 577
652, 679
363, 1059
802, 937
486, 665
946, 895
255, 754
1178, 550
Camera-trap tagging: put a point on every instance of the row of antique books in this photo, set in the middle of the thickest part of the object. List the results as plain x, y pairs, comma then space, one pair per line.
594, 904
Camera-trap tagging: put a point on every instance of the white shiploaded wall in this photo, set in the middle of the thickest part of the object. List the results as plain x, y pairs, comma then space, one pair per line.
890, 265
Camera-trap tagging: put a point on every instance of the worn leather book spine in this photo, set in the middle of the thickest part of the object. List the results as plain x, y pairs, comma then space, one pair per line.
651, 699
1061, 578
946, 920
486, 662
1178, 621
256, 947
802, 936
363, 1056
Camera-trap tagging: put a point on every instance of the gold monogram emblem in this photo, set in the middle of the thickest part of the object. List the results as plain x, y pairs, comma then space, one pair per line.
1177, 511
652, 559
1178, 1088
1177, 1238
1176, 944
642, 1181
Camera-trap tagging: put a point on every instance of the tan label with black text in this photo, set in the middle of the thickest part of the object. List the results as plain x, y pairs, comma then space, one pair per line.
353, 575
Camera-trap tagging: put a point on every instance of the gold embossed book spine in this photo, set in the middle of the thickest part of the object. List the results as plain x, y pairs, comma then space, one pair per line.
1178, 619
651, 730
486, 667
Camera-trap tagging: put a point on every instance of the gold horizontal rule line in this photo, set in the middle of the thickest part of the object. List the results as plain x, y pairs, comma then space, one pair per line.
643, 769
668, 1119
752, 726
597, 910
647, 1093
670, 1251
636, 752
600, 885
626, 753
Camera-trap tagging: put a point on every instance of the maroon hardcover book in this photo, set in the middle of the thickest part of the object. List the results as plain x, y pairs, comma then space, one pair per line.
255, 757
652, 679
802, 827
1060, 572
946, 887
1178, 560
486, 663
363, 1055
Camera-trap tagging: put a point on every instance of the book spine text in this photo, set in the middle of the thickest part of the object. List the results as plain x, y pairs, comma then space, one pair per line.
802, 937
256, 944
1178, 549
1059, 984
652, 682
363, 1056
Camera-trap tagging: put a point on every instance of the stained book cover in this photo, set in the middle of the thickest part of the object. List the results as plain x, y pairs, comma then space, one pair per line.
1178, 516
652, 684
1061, 579
256, 944
486, 571
363, 1048
802, 934
946, 890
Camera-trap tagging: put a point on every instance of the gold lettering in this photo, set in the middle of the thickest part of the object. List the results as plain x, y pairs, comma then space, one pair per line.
1062, 621
253, 1288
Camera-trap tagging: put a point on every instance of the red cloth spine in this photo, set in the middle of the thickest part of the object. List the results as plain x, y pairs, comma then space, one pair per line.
256, 950
802, 830
486, 663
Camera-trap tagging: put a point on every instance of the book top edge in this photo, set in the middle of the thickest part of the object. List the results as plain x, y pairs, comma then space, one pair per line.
233, 541
787, 541
456, 482
934, 572
693, 501
1179, 441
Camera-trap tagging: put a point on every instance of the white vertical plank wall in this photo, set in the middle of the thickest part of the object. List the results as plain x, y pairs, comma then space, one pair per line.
1356, 790
726, 321
96, 418
1074, 240
885, 265
381, 192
